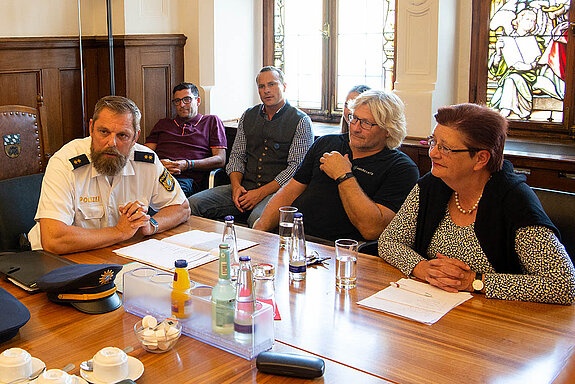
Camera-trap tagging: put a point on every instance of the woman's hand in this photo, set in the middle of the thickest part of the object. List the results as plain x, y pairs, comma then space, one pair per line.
499, 47
449, 274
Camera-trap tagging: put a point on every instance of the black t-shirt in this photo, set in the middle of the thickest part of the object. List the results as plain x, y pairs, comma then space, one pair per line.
386, 177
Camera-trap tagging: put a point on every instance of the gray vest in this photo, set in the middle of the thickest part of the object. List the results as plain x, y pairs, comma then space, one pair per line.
267, 144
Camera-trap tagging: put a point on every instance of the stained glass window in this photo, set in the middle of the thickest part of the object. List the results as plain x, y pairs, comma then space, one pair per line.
527, 58
334, 42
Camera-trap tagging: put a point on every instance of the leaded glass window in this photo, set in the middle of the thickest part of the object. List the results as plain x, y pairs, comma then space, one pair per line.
331, 47
366, 37
298, 49
527, 58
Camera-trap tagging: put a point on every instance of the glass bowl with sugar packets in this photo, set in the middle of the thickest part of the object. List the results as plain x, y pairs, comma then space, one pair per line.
157, 336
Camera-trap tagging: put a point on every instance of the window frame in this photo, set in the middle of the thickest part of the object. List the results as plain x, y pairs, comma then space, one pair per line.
478, 79
329, 112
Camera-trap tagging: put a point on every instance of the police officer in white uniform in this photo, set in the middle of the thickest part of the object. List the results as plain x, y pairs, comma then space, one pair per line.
97, 190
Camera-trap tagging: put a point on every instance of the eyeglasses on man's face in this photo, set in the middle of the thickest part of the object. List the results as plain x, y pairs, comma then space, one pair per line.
186, 100
365, 124
445, 150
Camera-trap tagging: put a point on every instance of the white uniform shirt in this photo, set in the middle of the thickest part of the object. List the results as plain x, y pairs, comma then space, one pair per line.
84, 198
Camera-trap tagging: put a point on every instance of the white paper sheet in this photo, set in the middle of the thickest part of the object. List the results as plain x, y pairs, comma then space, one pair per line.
162, 254
197, 247
415, 306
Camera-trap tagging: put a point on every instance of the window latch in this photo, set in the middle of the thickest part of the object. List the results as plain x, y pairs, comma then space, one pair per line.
325, 31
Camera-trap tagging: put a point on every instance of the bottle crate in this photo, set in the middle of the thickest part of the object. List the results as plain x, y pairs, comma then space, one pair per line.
147, 291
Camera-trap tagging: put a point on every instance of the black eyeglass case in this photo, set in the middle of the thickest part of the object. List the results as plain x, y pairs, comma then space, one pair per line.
287, 364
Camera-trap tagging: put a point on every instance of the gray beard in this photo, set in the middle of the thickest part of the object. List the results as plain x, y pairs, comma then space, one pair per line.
109, 166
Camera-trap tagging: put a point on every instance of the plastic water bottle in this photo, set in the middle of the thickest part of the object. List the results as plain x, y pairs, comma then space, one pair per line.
229, 237
223, 295
181, 298
245, 302
297, 257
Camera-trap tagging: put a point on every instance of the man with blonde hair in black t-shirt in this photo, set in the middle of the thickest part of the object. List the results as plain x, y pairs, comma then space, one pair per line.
351, 185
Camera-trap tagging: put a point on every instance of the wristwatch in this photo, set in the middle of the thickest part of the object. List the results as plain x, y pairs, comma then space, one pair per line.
154, 224
478, 284
344, 177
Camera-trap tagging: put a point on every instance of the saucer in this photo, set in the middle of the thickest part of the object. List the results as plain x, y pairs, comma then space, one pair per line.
135, 370
37, 364
77, 380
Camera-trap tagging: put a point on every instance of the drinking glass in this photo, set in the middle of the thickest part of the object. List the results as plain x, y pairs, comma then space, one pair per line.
286, 225
345, 263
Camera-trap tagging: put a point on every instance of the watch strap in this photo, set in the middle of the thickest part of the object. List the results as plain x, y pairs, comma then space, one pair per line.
479, 279
154, 224
344, 177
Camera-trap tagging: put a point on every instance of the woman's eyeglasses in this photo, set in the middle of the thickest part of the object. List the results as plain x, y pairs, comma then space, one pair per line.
445, 150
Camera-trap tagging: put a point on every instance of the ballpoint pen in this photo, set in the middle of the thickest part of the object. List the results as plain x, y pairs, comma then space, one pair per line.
396, 285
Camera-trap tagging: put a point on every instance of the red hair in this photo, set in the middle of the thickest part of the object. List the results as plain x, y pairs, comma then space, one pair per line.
481, 127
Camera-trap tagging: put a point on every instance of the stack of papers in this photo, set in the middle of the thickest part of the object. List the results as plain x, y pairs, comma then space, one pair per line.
196, 247
415, 300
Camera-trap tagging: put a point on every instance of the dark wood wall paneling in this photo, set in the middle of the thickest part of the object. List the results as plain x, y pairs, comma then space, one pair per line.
41, 66
147, 67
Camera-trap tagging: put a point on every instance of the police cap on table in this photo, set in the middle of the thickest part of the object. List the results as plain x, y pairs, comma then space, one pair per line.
89, 288
13, 315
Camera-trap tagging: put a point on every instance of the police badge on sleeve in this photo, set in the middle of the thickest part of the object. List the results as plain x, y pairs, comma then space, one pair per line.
12, 145
167, 180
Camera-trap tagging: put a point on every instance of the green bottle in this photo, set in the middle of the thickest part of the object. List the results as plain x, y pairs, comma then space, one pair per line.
223, 295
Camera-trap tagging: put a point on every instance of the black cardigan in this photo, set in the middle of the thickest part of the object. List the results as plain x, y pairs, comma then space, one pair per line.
506, 205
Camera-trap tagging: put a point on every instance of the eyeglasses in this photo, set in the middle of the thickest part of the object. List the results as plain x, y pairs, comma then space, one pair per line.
186, 100
367, 125
445, 150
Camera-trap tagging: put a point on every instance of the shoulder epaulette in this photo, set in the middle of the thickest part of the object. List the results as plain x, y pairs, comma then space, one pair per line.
79, 161
146, 157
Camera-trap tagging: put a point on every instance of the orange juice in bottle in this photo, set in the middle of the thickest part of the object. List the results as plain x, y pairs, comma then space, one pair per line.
181, 298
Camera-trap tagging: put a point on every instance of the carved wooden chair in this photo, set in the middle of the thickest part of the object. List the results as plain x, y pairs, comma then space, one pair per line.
22, 141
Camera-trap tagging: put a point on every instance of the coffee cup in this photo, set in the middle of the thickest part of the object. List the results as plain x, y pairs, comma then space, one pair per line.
110, 365
55, 376
15, 363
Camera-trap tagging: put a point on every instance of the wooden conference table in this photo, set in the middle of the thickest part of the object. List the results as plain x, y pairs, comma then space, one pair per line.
481, 341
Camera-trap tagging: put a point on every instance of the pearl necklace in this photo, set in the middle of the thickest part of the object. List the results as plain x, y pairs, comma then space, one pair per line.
466, 211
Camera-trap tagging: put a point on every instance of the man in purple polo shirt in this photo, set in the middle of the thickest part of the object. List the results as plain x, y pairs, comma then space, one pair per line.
190, 145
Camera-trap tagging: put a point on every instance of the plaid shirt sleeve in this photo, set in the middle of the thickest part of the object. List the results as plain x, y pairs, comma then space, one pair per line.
302, 141
238, 157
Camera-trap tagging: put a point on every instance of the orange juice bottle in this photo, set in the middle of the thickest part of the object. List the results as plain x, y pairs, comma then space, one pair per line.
181, 298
